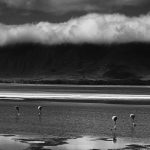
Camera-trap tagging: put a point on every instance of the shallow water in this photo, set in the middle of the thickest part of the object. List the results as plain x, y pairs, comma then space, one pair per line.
73, 120
72, 126
8, 143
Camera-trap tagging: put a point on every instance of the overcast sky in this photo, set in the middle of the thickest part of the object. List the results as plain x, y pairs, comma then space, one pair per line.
27, 11
74, 21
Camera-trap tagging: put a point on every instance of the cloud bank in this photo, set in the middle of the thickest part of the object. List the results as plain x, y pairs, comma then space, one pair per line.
92, 28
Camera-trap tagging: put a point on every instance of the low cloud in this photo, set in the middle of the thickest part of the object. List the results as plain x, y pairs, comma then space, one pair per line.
92, 28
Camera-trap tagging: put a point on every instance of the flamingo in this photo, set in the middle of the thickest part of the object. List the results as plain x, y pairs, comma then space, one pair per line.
114, 118
18, 110
132, 116
40, 110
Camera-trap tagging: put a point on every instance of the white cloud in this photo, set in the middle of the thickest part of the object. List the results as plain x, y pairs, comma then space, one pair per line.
92, 28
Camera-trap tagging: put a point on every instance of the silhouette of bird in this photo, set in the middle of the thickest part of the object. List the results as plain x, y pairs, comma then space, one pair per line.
40, 110
17, 110
132, 116
114, 118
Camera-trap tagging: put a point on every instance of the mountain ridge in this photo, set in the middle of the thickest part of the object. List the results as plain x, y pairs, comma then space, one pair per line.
70, 63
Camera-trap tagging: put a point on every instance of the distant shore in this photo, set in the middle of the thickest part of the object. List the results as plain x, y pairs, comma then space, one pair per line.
82, 81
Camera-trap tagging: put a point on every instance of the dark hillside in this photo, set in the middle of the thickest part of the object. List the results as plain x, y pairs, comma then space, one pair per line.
86, 63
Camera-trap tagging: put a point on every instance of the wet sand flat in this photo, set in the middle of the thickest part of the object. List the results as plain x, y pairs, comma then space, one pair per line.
35, 142
73, 126
73, 119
